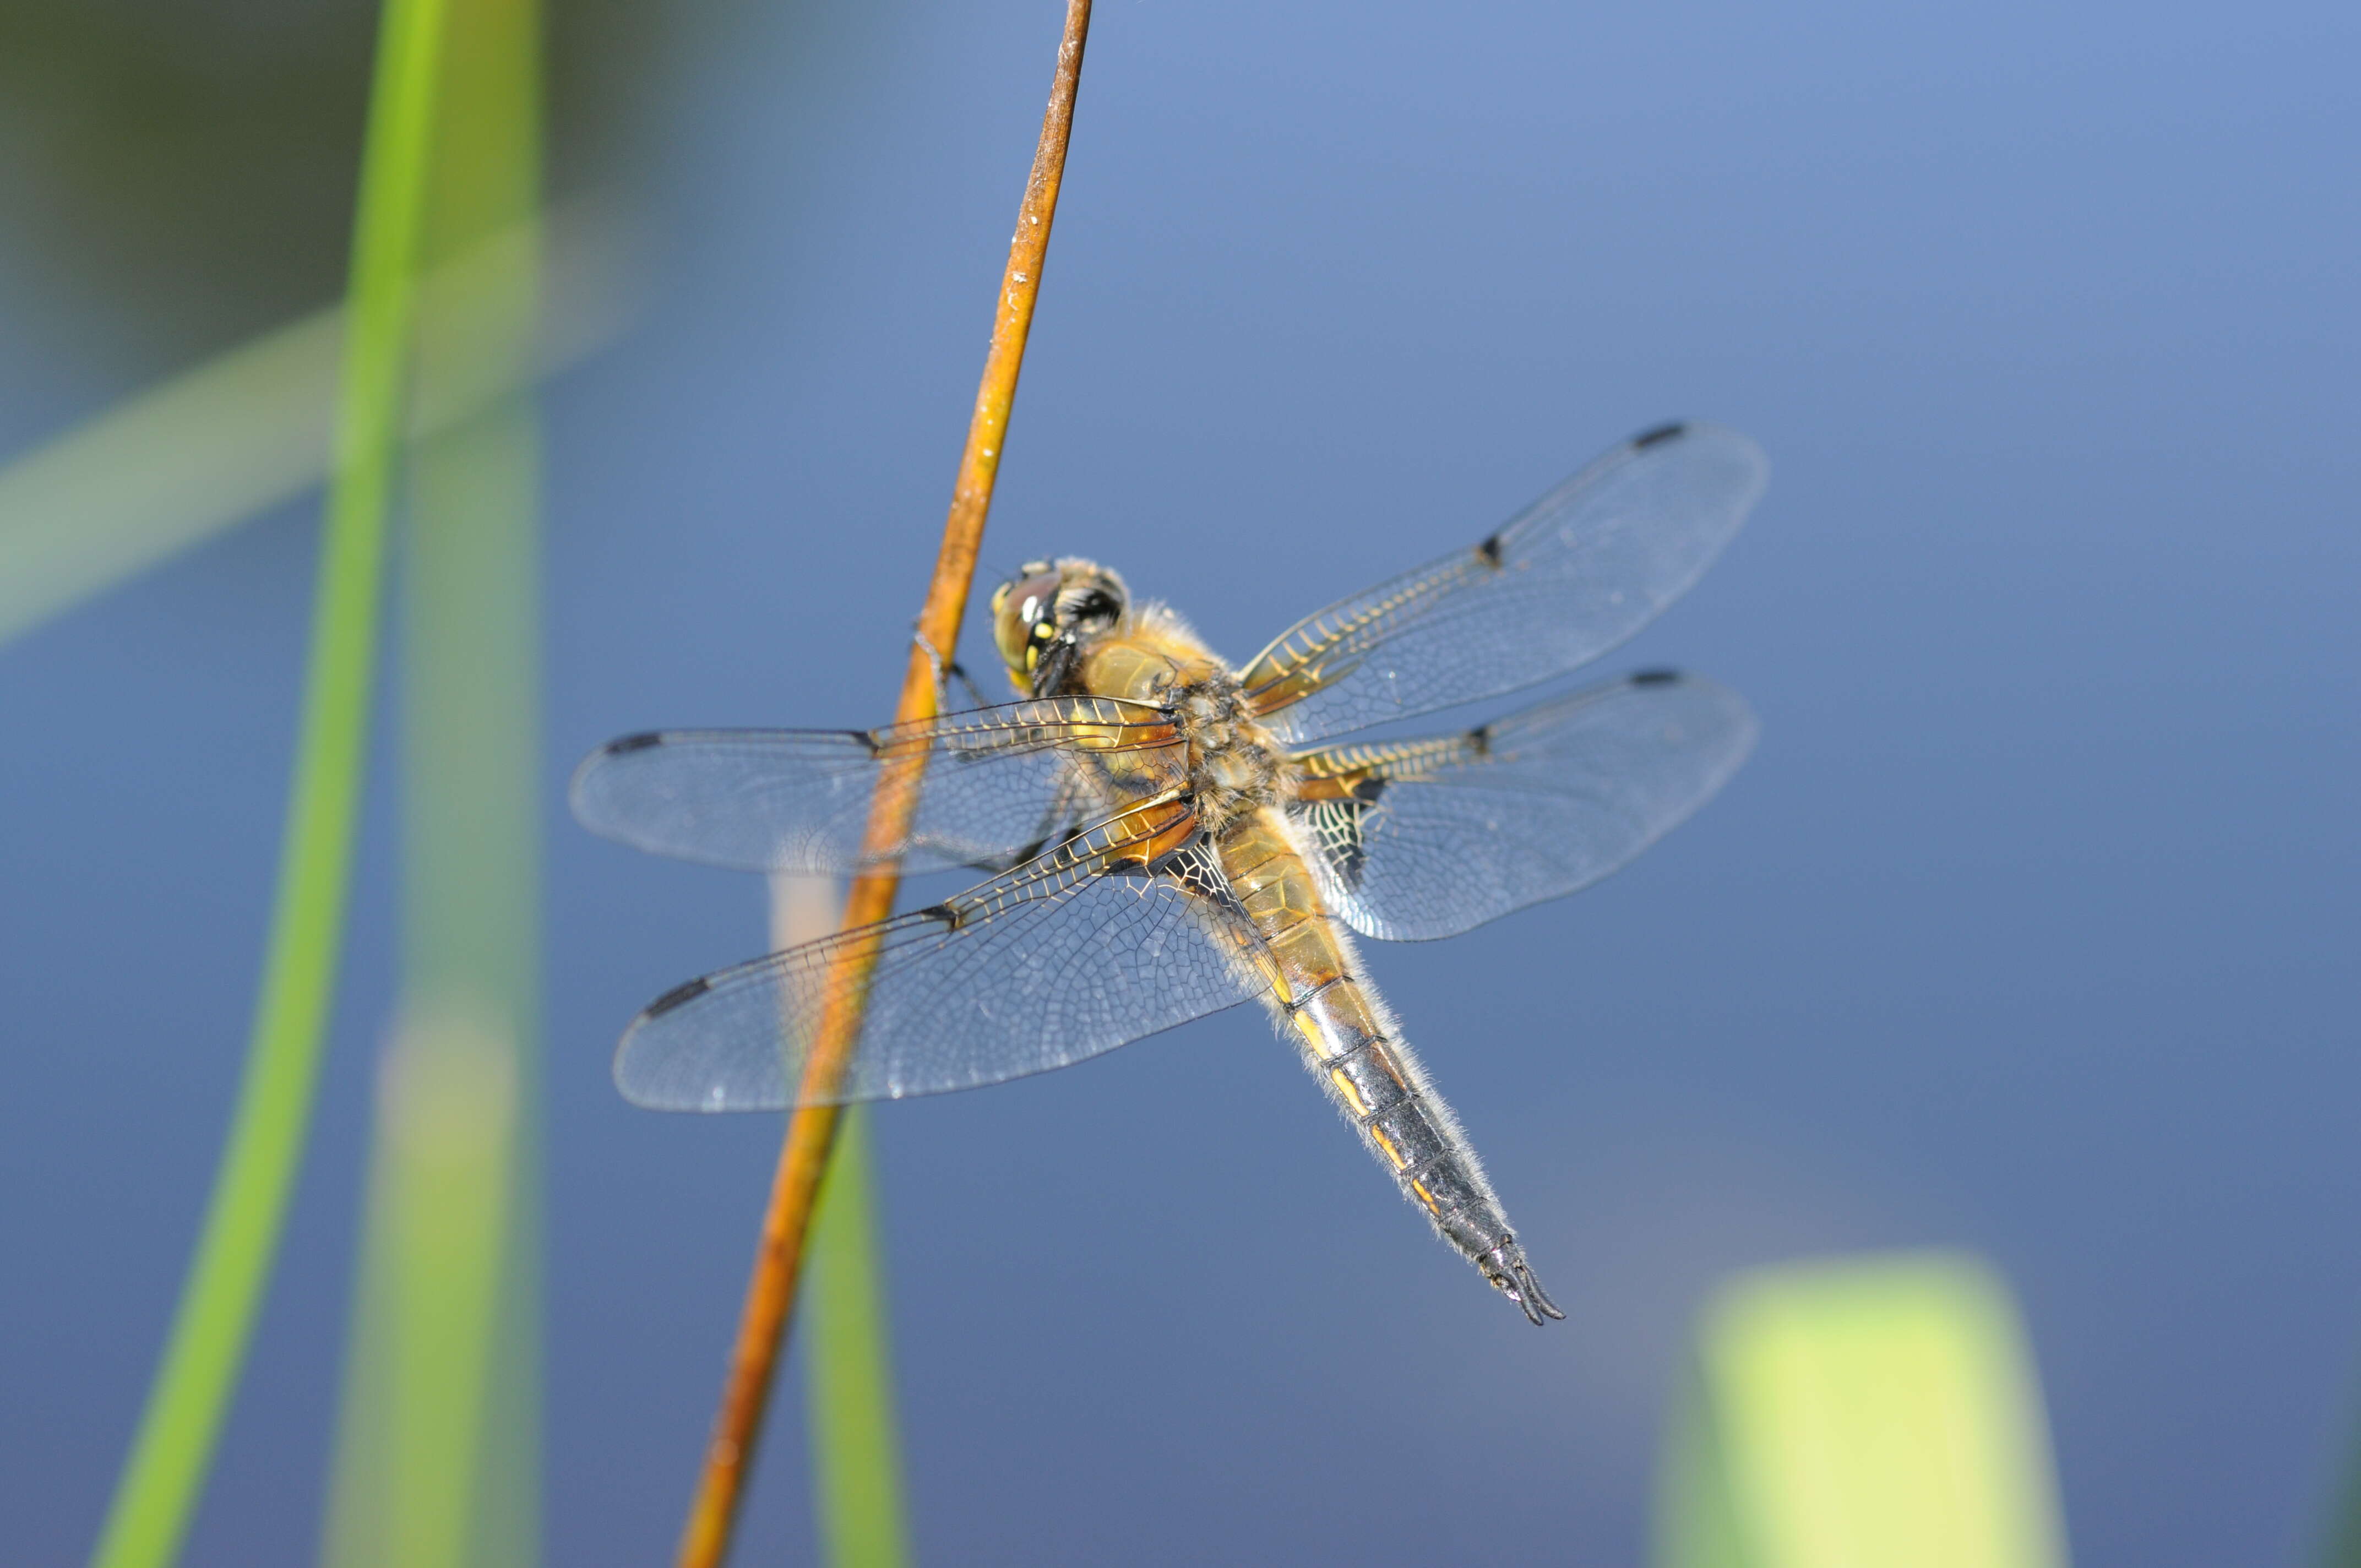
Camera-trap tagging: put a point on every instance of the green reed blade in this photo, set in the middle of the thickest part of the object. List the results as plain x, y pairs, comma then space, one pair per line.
423, 1375
856, 1450
213, 1322
204, 450
436, 1464
1858, 1414
847, 1368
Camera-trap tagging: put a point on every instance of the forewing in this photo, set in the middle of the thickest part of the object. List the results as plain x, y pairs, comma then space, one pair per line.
999, 783
1426, 839
1576, 573
1064, 959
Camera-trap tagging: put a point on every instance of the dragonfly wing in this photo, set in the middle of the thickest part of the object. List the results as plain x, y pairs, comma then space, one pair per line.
999, 783
1576, 573
1424, 838
1085, 947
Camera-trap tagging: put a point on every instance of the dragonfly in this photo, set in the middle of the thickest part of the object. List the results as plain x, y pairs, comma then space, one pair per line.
1165, 836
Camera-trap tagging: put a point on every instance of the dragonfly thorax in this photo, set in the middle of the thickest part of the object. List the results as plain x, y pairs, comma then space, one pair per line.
1067, 628
1234, 764
1230, 763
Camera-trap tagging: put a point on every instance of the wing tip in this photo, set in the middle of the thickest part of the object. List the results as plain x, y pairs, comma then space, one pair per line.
1743, 725
1748, 450
652, 1076
583, 790
713, 1102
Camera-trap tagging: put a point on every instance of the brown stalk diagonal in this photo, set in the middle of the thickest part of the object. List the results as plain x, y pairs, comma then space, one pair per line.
811, 1131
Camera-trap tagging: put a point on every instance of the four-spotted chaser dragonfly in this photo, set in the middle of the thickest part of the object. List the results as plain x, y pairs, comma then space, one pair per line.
1169, 837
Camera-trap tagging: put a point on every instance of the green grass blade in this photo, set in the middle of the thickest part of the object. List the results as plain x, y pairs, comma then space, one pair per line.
412, 1463
438, 1439
471, 931
848, 1369
1861, 1414
214, 1323
436, 1458
172, 467
856, 1450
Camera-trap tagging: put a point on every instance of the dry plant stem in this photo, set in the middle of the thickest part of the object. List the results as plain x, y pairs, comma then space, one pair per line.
811, 1131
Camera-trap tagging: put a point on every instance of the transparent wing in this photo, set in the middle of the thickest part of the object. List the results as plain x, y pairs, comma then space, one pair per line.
1094, 944
999, 784
1576, 573
1424, 838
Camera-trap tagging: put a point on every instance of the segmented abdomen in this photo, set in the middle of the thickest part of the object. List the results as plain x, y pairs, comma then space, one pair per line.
1350, 1041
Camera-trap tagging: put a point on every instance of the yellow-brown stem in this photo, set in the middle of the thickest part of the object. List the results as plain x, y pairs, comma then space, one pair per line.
811, 1131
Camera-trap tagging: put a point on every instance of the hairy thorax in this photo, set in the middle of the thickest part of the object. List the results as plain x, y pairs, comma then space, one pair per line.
1234, 765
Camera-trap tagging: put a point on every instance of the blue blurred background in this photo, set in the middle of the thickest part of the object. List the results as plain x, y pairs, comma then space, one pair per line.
2028, 928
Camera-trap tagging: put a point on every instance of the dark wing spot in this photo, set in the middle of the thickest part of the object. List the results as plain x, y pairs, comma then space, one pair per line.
867, 738
942, 912
1480, 740
634, 743
1193, 870
1646, 439
1334, 829
1490, 551
1654, 677
677, 996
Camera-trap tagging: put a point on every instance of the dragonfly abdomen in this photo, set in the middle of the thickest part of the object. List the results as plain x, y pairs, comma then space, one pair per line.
1353, 1047
1375, 1080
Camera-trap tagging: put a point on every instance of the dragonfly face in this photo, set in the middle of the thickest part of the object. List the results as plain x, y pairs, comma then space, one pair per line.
1166, 836
1042, 618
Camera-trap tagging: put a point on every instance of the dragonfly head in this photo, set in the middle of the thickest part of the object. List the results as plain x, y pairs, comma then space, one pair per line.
1042, 617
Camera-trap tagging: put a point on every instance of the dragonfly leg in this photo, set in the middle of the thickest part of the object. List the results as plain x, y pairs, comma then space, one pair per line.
946, 671
1505, 1267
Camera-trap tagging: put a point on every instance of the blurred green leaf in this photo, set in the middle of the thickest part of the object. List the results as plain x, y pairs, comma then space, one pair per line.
251, 428
856, 1450
438, 1460
413, 1464
848, 1369
1861, 1414
214, 1324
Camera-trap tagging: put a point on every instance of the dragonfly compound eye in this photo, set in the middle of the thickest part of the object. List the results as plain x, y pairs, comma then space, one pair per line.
1020, 609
